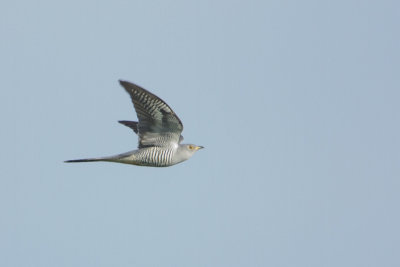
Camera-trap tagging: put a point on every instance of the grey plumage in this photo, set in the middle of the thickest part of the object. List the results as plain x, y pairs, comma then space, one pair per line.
131, 124
159, 130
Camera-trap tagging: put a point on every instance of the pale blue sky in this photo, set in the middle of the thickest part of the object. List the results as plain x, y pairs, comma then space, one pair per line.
296, 102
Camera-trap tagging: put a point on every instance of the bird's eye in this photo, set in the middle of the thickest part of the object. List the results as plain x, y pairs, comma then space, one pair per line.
191, 147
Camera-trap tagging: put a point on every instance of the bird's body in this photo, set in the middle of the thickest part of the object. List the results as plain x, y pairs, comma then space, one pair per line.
159, 130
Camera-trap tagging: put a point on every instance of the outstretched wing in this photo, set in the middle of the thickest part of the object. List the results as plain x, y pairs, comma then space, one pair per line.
158, 124
134, 126
131, 124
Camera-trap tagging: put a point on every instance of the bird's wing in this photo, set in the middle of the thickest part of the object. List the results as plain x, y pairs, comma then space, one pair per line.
158, 124
134, 126
131, 124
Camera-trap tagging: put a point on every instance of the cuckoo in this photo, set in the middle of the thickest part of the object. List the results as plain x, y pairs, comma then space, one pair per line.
159, 130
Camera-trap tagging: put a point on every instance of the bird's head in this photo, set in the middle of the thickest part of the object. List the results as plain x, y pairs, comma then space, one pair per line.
185, 151
192, 148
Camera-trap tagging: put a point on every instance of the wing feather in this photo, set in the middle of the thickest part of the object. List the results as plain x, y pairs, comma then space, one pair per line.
158, 124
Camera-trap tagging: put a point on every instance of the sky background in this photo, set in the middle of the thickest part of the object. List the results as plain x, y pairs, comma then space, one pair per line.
296, 102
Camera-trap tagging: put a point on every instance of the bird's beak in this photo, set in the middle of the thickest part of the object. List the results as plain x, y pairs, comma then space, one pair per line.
199, 147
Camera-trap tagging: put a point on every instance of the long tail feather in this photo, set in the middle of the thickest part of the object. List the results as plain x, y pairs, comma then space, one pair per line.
122, 158
85, 160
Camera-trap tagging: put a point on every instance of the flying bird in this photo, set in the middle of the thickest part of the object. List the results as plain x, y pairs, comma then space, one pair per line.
159, 130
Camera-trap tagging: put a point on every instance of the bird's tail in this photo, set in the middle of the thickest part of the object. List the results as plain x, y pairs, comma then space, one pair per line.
86, 160
122, 158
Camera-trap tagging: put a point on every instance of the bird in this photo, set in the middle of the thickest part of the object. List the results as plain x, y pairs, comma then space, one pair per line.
159, 130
